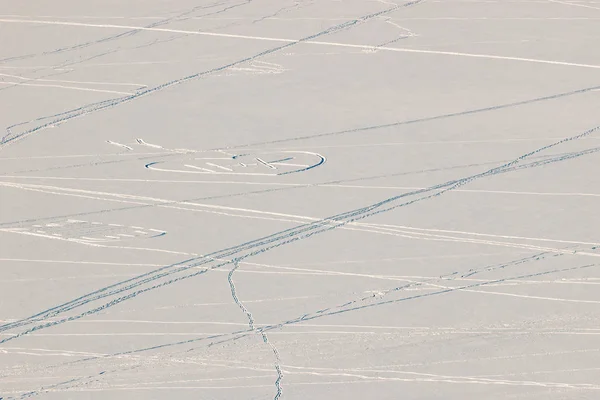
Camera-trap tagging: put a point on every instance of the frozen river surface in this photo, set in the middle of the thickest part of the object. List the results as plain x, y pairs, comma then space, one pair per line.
300, 199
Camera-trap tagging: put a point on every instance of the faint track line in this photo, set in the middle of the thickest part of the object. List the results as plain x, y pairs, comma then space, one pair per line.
255, 247
95, 107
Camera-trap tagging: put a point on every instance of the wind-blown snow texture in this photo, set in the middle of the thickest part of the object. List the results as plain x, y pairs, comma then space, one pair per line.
300, 200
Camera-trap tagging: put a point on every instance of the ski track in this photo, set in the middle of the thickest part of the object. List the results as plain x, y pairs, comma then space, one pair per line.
335, 133
534, 262
305, 317
254, 248
94, 107
319, 313
9, 138
123, 198
218, 339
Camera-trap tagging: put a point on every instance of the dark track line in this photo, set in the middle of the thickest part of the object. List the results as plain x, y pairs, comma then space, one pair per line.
259, 246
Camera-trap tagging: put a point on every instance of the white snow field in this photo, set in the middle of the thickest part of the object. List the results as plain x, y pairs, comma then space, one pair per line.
300, 200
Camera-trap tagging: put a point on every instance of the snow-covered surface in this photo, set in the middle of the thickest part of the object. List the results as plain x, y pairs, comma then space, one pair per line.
293, 200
